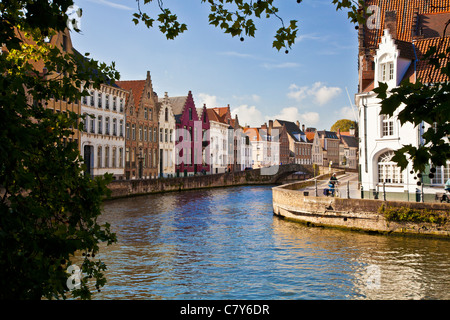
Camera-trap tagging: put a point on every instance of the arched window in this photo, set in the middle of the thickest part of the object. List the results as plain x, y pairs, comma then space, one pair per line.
388, 171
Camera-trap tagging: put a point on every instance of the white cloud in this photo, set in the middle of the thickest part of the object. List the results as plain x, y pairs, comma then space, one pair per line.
209, 100
346, 113
309, 118
248, 115
285, 65
244, 98
320, 93
292, 114
236, 54
310, 36
113, 4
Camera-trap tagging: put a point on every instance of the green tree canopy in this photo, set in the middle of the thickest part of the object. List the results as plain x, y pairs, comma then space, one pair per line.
48, 205
344, 125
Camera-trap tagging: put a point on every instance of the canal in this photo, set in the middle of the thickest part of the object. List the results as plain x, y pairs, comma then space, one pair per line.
226, 244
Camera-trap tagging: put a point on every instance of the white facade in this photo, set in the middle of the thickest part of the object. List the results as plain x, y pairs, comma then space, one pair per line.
167, 138
218, 135
244, 150
316, 151
382, 135
103, 137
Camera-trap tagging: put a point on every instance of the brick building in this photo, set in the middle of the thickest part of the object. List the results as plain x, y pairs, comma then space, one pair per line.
141, 129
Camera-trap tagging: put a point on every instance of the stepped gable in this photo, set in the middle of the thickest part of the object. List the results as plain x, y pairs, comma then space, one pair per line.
416, 25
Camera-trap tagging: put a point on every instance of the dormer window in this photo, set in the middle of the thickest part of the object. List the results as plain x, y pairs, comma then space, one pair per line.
386, 71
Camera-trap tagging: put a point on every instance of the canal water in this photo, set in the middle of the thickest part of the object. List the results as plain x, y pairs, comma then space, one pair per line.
227, 244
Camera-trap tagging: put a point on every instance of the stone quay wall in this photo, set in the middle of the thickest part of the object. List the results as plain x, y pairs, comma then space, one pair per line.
354, 214
128, 188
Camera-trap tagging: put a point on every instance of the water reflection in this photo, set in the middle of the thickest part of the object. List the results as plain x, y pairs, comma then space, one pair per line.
226, 244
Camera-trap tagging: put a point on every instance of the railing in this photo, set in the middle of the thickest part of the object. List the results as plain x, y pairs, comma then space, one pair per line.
382, 191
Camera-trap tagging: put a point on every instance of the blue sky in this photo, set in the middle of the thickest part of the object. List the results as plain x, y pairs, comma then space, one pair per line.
259, 83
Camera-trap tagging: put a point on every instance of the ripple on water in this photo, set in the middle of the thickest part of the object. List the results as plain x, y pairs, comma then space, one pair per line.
226, 244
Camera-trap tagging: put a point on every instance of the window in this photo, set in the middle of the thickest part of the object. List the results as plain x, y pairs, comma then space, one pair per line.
114, 127
114, 104
151, 114
190, 114
106, 157
383, 72
107, 125
114, 152
85, 122
387, 126
92, 117
107, 102
388, 171
121, 128
99, 157
140, 133
167, 114
165, 135
127, 131
145, 113
100, 124
91, 97
154, 135
99, 100
386, 71
150, 135
120, 157
144, 158
133, 132
161, 135
121, 105
442, 174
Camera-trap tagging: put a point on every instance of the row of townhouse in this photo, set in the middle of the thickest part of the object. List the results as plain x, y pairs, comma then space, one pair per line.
283, 142
132, 133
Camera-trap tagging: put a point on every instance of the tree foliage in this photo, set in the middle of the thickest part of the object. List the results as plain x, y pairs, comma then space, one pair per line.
48, 206
237, 18
343, 124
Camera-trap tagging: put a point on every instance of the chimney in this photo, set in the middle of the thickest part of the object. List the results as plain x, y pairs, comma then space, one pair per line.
298, 124
270, 124
303, 127
390, 22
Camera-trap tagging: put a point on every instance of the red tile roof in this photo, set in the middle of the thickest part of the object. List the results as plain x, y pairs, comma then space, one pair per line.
137, 87
407, 13
425, 72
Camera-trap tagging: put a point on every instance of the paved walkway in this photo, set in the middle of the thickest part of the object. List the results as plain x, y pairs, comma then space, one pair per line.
347, 181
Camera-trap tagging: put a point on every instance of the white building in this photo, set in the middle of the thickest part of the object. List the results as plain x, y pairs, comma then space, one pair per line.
219, 136
167, 129
265, 151
103, 141
381, 135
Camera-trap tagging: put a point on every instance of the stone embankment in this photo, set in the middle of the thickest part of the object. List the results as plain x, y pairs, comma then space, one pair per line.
374, 216
265, 176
